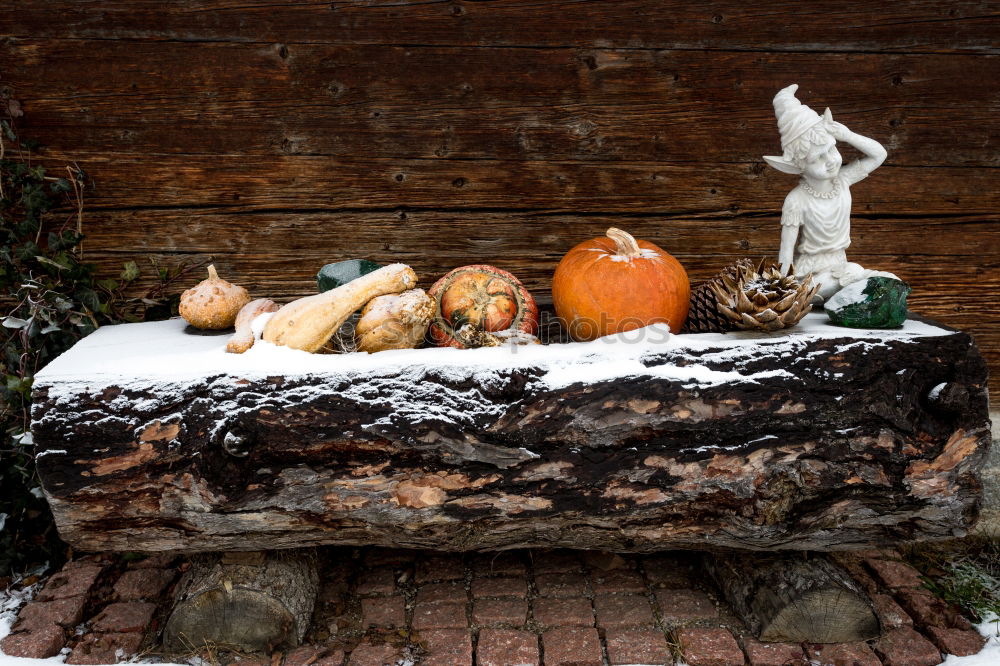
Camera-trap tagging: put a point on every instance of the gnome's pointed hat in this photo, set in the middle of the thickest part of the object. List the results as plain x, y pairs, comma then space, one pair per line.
794, 120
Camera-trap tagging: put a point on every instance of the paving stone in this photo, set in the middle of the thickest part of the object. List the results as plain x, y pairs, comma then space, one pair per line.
929, 611
383, 612
857, 571
124, 617
554, 561
618, 582
506, 563
704, 646
499, 611
895, 575
958, 642
154, 561
507, 647
673, 571
604, 561
439, 616
250, 661
878, 554
905, 647
773, 654
677, 606
571, 612
376, 581
105, 648
447, 647
623, 610
141, 584
70, 582
440, 567
572, 646
366, 654
637, 646
841, 654
499, 587
40, 643
890, 614
450, 593
561, 585
391, 557
306, 655
37, 614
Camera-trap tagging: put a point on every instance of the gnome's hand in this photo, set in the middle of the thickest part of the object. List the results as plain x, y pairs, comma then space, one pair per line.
837, 130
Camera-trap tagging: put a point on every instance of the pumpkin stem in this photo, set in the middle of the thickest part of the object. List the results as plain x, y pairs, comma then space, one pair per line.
212, 273
625, 242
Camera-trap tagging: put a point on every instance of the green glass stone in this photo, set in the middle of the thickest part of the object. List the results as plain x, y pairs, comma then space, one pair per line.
878, 302
340, 273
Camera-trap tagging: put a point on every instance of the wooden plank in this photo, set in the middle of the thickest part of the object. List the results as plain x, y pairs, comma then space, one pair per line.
387, 234
960, 26
566, 104
303, 183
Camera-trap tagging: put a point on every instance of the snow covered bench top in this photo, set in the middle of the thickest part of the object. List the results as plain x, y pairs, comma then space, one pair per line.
149, 437
168, 351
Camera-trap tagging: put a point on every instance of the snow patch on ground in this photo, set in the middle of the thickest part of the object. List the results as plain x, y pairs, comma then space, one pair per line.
989, 655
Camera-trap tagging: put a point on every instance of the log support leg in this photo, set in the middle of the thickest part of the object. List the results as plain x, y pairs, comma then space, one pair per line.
795, 597
245, 601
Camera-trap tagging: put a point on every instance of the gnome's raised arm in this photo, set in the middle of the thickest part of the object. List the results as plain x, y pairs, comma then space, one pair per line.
874, 152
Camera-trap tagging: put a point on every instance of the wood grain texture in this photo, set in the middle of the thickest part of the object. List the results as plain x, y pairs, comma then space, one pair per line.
274, 136
497, 103
794, 598
921, 26
253, 602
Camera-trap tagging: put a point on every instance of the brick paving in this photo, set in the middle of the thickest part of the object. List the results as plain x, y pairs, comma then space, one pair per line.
380, 606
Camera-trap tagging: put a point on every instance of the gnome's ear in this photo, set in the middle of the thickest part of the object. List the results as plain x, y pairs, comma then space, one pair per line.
782, 165
828, 116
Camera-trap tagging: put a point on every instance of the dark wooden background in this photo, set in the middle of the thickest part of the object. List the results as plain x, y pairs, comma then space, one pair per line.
277, 136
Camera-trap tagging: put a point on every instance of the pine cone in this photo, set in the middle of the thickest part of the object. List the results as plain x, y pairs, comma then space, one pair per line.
762, 299
703, 313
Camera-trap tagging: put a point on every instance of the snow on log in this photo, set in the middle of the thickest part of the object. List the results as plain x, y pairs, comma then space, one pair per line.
151, 438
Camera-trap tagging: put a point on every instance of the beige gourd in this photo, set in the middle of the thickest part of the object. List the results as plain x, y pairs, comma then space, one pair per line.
309, 322
213, 303
395, 321
243, 339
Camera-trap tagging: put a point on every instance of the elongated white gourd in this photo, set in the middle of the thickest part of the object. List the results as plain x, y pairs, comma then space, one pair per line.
309, 322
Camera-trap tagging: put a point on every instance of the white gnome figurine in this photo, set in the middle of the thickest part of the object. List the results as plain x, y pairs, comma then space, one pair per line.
816, 216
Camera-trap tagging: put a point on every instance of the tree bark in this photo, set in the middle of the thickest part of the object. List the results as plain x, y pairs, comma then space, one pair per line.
788, 598
250, 601
793, 441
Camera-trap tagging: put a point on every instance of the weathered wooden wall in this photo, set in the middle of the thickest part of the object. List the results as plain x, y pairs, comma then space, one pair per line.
278, 136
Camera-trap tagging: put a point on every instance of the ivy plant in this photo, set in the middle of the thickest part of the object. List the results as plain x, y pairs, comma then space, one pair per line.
49, 299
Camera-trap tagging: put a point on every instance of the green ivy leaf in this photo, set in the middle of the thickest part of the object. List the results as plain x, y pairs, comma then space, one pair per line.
11, 321
130, 271
50, 262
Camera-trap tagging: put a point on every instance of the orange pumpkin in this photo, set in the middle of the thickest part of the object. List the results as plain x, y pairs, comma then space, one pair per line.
616, 284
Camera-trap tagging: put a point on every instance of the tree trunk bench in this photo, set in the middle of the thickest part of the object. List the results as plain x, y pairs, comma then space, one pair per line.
149, 437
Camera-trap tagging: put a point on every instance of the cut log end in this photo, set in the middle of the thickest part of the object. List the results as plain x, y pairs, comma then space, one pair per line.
786, 598
240, 619
254, 602
831, 615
